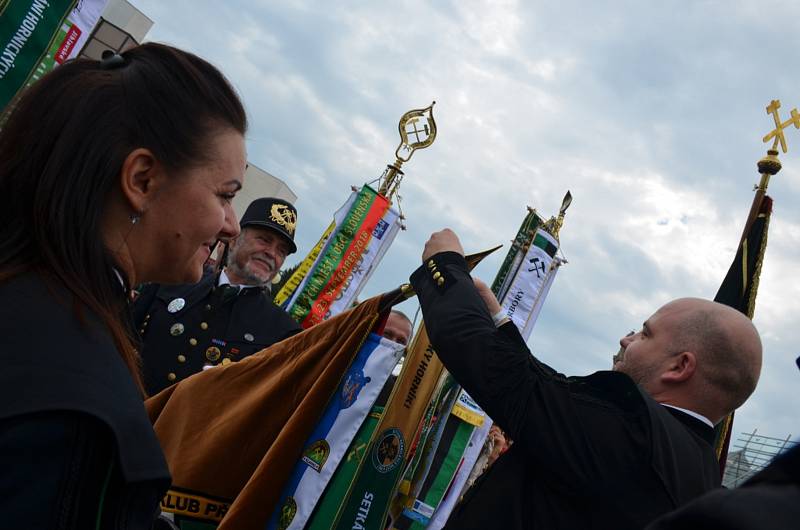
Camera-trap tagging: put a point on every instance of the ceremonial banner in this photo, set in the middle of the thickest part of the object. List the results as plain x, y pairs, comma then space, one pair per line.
297, 277
325, 512
431, 435
426, 462
338, 258
331, 438
740, 286
301, 275
446, 461
513, 259
382, 238
458, 485
521, 286
38, 35
525, 288
739, 289
367, 501
232, 434
369, 496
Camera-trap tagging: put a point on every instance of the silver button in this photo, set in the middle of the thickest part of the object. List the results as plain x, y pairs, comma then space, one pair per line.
176, 305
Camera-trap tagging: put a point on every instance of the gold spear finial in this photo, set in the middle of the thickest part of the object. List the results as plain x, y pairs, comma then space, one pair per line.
554, 224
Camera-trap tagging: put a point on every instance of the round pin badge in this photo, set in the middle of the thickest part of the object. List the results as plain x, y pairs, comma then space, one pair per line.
249, 337
213, 353
176, 329
176, 305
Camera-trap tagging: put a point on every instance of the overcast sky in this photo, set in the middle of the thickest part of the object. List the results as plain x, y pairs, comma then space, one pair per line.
651, 113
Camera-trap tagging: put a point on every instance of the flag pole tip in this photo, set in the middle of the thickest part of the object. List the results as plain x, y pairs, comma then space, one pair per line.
770, 164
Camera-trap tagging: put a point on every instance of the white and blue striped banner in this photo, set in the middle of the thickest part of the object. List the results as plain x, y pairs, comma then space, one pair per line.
328, 443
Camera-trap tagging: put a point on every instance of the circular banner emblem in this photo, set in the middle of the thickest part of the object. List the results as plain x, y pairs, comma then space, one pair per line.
389, 450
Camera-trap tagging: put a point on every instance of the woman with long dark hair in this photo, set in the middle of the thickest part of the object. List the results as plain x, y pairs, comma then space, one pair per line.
112, 173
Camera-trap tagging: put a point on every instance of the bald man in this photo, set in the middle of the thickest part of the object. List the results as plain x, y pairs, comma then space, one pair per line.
614, 449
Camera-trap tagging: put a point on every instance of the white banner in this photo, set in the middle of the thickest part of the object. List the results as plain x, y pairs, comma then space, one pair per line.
523, 294
80, 24
540, 297
331, 438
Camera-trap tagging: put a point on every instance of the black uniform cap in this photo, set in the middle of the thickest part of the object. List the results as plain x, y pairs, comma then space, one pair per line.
274, 213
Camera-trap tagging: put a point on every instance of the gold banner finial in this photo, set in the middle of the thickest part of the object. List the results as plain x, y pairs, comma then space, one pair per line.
777, 132
770, 164
417, 131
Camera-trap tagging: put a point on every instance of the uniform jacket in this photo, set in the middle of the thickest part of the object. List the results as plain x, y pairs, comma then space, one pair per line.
76, 446
187, 327
590, 452
770, 499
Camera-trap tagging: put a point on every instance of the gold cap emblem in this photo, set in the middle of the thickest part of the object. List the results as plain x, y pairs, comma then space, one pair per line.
284, 216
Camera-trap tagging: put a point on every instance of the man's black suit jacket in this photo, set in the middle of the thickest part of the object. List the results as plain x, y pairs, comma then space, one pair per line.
589, 452
770, 499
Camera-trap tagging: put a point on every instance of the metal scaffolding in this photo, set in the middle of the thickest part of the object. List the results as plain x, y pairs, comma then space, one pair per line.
751, 453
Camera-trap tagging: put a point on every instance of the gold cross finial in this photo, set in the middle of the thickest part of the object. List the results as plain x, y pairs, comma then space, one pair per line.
777, 133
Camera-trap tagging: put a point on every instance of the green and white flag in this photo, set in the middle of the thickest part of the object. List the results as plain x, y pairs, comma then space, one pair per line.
521, 286
521, 301
455, 487
38, 35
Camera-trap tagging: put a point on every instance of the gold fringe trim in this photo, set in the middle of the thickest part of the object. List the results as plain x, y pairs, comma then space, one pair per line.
751, 302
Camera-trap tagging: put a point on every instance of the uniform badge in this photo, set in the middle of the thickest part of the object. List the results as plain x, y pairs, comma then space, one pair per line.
213, 353
176, 305
316, 455
249, 337
388, 452
284, 216
176, 329
288, 511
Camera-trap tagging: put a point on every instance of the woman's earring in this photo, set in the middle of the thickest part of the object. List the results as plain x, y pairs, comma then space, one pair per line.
134, 217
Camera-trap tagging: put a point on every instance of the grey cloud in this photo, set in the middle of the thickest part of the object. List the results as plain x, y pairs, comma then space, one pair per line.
647, 112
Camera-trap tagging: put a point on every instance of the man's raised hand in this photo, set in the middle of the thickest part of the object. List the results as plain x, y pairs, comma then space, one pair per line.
443, 241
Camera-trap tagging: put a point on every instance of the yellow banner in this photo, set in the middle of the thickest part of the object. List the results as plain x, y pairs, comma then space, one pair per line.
294, 281
469, 416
